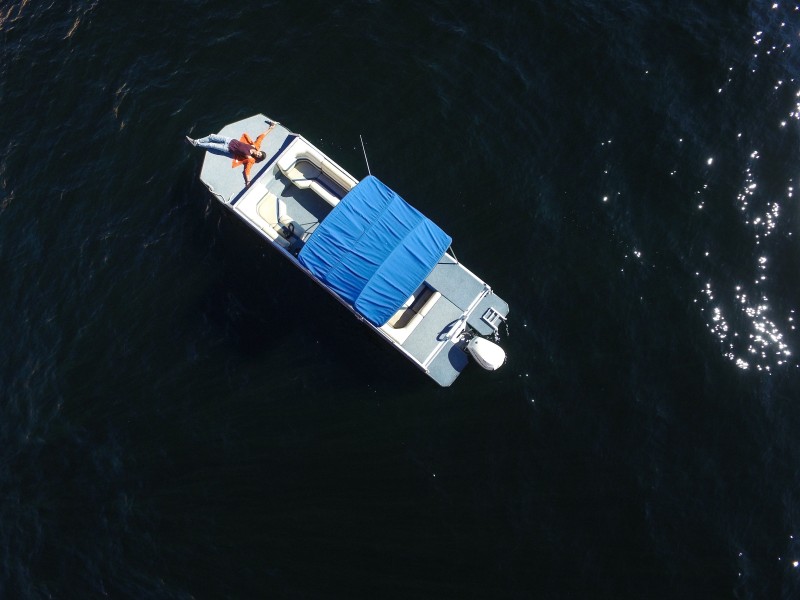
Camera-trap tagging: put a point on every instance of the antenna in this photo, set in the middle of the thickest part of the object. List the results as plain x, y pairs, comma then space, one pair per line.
365, 153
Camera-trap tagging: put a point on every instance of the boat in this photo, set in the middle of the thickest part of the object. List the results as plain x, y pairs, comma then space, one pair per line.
381, 258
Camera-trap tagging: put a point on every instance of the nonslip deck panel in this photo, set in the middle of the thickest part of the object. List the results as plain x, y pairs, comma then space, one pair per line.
432, 329
227, 182
448, 364
454, 282
305, 207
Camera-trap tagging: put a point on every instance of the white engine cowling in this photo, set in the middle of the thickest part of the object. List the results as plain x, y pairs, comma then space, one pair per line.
487, 354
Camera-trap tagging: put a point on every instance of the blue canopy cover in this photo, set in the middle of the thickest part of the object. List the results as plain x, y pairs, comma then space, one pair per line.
374, 250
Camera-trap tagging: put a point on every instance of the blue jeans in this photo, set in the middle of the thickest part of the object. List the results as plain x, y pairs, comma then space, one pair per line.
214, 142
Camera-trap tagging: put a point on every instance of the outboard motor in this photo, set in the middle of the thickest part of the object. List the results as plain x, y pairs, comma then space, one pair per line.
487, 354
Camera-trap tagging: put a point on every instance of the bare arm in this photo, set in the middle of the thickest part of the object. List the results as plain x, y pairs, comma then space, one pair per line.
248, 163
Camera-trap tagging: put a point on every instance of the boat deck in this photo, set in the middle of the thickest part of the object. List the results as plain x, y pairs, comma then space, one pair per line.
463, 296
306, 207
227, 182
287, 200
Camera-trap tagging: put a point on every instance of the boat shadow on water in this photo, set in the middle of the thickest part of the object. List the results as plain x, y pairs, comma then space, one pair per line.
262, 307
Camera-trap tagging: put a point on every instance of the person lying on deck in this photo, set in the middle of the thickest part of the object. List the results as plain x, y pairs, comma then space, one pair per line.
244, 150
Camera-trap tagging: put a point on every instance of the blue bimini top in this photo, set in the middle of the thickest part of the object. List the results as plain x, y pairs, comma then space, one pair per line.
374, 250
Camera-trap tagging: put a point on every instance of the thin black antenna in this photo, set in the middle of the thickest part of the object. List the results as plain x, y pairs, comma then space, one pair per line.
365, 153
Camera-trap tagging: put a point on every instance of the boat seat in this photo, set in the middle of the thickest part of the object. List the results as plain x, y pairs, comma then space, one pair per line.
303, 173
307, 168
405, 320
299, 149
267, 215
398, 319
271, 209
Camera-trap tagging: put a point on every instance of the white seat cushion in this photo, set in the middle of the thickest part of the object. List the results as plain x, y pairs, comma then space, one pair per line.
271, 209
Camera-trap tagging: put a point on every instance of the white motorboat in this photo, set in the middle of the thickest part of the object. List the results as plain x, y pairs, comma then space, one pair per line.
381, 258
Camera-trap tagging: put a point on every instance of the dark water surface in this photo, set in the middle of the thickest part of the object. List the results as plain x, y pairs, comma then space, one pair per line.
185, 416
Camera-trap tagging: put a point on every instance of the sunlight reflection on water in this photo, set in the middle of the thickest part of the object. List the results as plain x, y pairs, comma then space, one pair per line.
740, 314
754, 336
